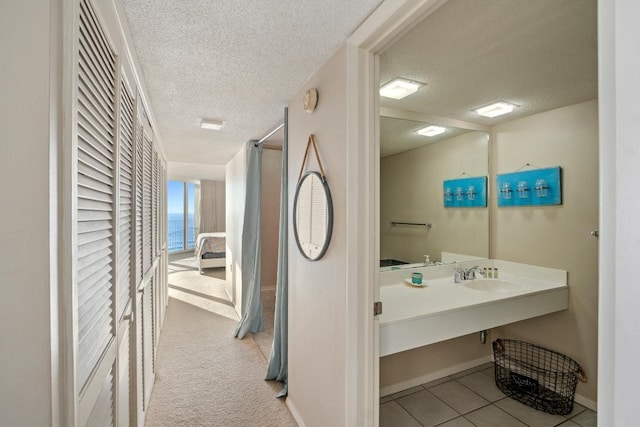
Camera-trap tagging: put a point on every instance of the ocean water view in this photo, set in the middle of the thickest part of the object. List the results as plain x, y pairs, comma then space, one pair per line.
175, 230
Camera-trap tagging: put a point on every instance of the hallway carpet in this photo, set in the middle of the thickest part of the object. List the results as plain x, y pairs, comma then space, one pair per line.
204, 376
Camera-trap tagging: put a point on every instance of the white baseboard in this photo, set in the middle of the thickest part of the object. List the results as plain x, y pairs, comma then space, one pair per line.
404, 385
587, 403
294, 412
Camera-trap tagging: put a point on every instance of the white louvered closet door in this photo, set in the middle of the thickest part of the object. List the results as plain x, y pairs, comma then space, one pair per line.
147, 199
95, 227
139, 148
125, 260
147, 249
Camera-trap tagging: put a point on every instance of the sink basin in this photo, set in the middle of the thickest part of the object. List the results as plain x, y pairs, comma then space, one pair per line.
493, 285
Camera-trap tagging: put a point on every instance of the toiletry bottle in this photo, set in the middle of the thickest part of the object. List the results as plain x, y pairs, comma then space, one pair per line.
427, 261
495, 272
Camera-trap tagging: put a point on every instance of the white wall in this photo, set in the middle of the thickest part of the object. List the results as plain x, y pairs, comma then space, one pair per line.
28, 229
235, 189
619, 293
556, 236
317, 290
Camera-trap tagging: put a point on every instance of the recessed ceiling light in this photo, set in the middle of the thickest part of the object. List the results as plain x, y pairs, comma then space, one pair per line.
211, 124
399, 88
431, 130
497, 109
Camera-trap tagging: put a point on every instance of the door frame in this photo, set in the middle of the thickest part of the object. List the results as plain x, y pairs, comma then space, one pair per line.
387, 23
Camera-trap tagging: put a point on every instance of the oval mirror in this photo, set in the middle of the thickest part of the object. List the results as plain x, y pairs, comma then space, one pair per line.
312, 216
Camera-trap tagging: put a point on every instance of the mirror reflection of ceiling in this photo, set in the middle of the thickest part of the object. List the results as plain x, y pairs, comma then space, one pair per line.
539, 55
400, 135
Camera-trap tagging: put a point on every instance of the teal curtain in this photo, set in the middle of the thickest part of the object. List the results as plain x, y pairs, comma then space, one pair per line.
278, 361
252, 320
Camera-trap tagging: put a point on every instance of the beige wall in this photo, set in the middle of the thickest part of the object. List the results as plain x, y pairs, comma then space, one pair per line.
270, 215
556, 236
215, 190
414, 367
28, 230
317, 290
411, 189
235, 190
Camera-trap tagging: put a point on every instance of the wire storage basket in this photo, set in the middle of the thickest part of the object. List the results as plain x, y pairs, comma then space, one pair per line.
538, 377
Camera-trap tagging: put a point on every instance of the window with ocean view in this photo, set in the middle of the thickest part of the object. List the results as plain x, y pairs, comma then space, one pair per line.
181, 221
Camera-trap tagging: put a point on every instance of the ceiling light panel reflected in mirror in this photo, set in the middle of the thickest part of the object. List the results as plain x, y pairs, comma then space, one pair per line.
496, 109
432, 130
398, 135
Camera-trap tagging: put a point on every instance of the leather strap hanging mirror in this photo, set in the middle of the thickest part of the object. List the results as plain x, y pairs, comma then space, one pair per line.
312, 209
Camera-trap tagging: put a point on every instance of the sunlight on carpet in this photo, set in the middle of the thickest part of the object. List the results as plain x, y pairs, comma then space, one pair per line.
204, 376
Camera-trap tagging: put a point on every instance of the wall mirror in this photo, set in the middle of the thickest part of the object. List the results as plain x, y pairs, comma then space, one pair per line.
463, 56
312, 216
412, 170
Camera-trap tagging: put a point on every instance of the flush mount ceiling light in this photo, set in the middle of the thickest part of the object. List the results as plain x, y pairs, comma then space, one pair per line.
496, 109
399, 88
211, 124
431, 130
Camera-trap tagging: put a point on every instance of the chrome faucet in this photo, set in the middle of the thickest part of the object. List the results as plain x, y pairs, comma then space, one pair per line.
460, 274
470, 274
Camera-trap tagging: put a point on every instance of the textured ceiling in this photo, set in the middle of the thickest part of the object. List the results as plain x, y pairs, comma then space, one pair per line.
237, 61
242, 61
539, 55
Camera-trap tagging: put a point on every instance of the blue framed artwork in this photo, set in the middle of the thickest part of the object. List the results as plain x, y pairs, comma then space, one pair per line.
538, 187
465, 192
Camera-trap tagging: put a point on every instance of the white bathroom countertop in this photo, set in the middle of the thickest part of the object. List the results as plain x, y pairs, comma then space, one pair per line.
416, 316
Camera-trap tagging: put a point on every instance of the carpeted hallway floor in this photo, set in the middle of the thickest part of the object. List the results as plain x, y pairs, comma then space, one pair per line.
204, 376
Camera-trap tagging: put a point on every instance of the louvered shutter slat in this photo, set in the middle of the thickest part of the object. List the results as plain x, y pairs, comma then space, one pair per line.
90, 151
94, 122
93, 311
101, 42
92, 263
87, 227
99, 126
92, 104
97, 46
90, 294
91, 65
93, 92
94, 295
90, 196
97, 270
92, 248
93, 60
92, 183
90, 166
95, 236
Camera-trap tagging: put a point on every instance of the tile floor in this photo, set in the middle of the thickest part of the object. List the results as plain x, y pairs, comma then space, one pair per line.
470, 398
